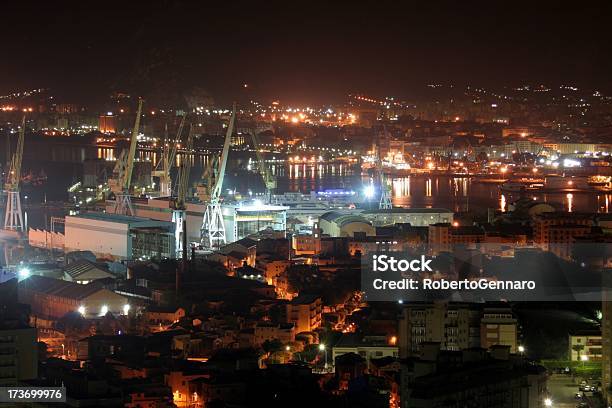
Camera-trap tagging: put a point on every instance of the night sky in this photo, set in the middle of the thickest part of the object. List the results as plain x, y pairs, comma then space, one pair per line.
299, 51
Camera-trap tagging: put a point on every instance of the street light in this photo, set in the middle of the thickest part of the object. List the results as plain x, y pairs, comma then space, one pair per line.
521, 349
323, 348
584, 358
23, 273
548, 402
369, 191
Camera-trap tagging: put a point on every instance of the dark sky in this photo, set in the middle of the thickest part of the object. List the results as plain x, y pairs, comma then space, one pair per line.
302, 51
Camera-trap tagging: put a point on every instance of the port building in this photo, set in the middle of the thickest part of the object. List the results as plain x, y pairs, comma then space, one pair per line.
119, 237
52, 298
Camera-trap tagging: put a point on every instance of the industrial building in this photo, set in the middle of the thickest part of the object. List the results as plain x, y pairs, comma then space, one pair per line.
244, 219
240, 219
52, 298
119, 237
417, 217
345, 224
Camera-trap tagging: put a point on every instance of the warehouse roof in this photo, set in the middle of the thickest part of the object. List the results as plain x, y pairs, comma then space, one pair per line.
123, 219
342, 219
85, 267
60, 288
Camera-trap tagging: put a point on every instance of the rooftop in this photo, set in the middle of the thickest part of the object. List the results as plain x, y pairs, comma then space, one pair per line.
118, 218
59, 288
81, 267
304, 299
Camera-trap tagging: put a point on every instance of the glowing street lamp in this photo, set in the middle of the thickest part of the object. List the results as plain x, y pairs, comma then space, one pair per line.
548, 402
369, 191
521, 349
323, 348
23, 273
81, 310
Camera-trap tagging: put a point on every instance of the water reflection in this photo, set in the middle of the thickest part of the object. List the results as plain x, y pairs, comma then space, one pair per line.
463, 194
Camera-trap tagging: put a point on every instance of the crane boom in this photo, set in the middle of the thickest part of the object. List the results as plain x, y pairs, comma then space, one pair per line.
15, 170
216, 193
183, 180
127, 177
13, 217
123, 202
267, 176
172, 154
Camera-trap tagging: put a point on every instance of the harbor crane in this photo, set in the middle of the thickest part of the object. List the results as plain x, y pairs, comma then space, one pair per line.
123, 201
13, 218
207, 180
267, 176
166, 161
179, 212
385, 196
212, 233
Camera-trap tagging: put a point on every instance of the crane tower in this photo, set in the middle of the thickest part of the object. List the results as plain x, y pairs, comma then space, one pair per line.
212, 233
13, 218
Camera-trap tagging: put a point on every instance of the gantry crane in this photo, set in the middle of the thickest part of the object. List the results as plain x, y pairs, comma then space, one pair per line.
13, 218
123, 201
212, 233
385, 196
178, 213
166, 162
267, 176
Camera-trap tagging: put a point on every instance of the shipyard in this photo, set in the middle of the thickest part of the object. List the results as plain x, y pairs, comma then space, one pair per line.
259, 204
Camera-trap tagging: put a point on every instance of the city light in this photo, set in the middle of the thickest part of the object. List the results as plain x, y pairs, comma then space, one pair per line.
23, 273
369, 191
275, 220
